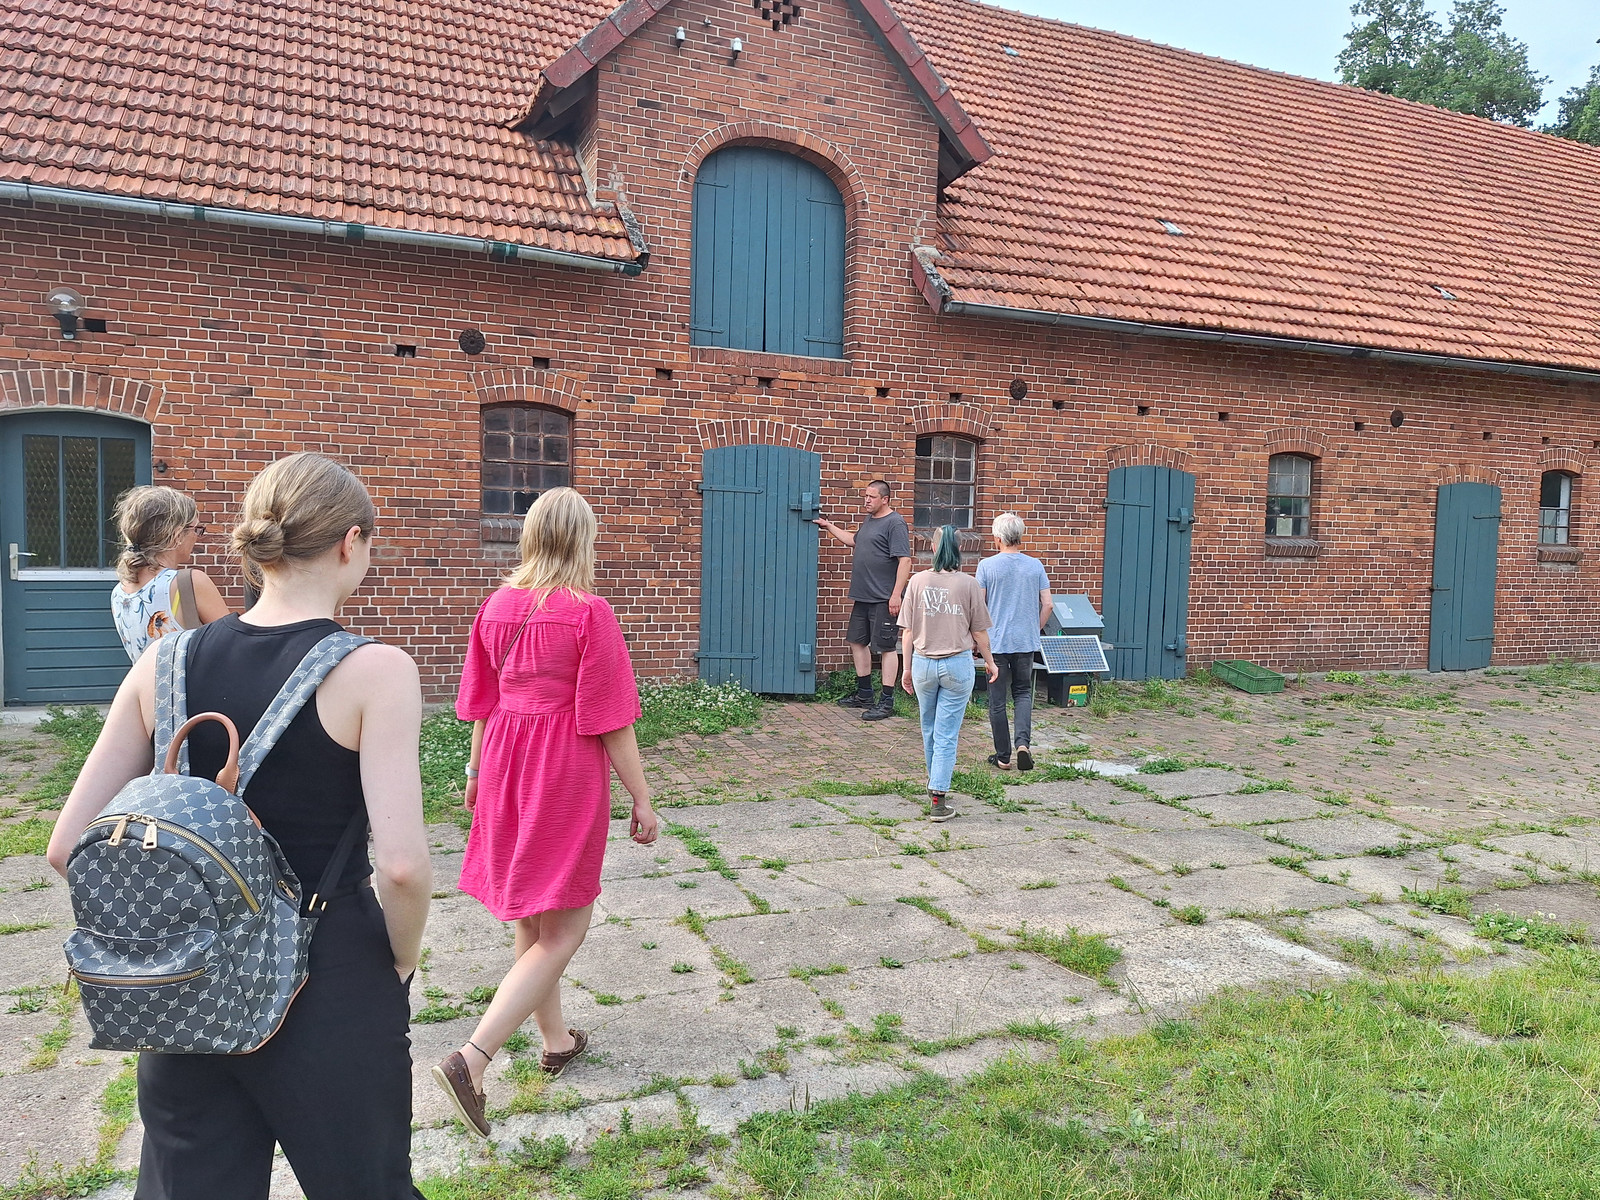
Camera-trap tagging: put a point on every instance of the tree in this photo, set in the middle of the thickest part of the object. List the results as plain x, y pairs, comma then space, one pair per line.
1579, 117
1473, 66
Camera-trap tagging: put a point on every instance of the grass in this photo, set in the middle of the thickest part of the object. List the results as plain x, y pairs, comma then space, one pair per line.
1537, 933
805, 974
697, 844
29, 836
1449, 899
1085, 953
929, 907
74, 730
1259, 1097
63, 1003
445, 744
693, 706
29, 927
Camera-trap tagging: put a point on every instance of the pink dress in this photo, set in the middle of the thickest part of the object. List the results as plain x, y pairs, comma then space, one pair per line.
544, 784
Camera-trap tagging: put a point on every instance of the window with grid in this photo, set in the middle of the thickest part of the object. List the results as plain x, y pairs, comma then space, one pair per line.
947, 482
1555, 508
526, 451
1289, 496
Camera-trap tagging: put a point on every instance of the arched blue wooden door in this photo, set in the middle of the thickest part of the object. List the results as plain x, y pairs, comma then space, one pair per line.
1466, 549
767, 267
1145, 580
60, 476
758, 568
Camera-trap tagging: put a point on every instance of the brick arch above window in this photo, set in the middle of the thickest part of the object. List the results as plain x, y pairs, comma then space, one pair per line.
1148, 454
56, 387
1465, 473
822, 154
962, 418
1295, 441
755, 432
527, 385
1563, 458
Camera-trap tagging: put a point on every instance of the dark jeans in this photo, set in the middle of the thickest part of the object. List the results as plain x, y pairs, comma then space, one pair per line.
1016, 677
332, 1086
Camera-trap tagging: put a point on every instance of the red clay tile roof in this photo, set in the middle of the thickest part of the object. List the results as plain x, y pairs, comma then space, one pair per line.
1308, 210
381, 112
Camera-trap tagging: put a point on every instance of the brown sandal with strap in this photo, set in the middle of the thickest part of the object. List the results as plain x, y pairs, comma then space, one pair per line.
554, 1064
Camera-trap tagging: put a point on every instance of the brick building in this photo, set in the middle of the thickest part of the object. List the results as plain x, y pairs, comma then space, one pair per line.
1274, 368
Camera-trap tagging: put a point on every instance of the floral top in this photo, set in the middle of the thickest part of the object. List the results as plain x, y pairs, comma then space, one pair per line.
144, 615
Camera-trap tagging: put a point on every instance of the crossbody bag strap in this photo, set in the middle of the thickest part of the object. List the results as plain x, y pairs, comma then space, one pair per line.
301, 685
188, 613
533, 608
172, 701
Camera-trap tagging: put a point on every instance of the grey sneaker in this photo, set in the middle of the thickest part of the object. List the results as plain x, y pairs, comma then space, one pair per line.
939, 811
880, 711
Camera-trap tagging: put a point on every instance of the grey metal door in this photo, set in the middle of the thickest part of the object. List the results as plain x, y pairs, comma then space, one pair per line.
60, 476
1145, 580
1466, 547
758, 568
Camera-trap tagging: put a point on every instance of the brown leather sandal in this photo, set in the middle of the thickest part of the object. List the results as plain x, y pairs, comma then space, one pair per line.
452, 1075
554, 1064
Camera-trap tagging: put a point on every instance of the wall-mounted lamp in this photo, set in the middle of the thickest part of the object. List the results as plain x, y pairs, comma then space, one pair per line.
680, 35
735, 47
65, 305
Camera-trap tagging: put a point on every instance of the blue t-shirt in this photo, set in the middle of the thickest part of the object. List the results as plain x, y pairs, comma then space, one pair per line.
1011, 584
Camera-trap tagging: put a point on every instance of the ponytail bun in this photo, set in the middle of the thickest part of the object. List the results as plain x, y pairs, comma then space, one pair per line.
259, 540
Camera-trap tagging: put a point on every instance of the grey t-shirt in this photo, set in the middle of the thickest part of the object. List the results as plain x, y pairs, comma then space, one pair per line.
1011, 585
879, 543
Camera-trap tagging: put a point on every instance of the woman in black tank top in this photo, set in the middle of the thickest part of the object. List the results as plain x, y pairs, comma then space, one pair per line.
333, 1085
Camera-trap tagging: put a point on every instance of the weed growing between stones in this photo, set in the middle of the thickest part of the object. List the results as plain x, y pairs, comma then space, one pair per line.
75, 731
1449, 899
1088, 954
1536, 932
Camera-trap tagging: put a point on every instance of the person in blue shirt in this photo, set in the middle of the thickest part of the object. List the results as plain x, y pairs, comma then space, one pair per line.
1017, 593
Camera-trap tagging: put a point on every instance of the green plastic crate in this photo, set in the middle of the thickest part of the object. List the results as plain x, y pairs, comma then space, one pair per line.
1246, 676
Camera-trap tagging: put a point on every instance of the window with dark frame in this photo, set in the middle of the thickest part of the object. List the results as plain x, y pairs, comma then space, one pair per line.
1555, 508
1289, 496
527, 450
946, 489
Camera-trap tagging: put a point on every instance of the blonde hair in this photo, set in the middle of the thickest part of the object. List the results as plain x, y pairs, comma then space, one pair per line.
150, 520
296, 509
557, 544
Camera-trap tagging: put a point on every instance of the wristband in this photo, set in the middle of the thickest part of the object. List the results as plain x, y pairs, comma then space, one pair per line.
472, 772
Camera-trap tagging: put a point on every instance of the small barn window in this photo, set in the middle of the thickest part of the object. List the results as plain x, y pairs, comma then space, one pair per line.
1289, 496
1555, 508
526, 451
947, 482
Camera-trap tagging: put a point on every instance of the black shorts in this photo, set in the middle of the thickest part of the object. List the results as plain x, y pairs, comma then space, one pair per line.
871, 625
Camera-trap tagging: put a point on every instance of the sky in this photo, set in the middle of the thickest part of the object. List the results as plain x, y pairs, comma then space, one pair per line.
1304, 37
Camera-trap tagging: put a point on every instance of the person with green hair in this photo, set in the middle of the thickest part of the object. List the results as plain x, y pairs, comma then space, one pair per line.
943, 618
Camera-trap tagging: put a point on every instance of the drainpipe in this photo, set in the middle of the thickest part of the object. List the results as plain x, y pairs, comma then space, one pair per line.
345, 230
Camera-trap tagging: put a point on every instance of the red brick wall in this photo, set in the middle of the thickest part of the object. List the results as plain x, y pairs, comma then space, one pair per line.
240, 345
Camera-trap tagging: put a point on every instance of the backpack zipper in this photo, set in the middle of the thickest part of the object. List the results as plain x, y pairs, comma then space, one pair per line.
142, 981
152, 823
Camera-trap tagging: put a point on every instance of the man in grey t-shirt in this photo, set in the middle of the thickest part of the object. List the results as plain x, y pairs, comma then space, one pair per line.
879, 567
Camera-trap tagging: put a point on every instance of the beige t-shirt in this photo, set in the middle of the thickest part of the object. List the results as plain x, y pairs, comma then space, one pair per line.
943, 609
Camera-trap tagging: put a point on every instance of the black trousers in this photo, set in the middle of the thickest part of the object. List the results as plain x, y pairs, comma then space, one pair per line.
332, 1086
1016, 680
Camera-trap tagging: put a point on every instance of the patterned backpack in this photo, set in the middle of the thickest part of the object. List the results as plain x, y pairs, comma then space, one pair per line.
191, 936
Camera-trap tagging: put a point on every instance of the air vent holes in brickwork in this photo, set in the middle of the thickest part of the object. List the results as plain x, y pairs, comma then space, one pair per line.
779, 12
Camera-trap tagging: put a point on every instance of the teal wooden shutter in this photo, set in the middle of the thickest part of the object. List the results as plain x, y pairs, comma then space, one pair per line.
1466, 546
758, 568
1145, 573
767, 261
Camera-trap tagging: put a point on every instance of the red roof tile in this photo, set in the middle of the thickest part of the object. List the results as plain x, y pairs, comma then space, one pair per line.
1309, 210
381, 112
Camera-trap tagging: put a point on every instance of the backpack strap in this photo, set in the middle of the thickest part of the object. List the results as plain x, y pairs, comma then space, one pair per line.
187, 608
172, 701
301, 685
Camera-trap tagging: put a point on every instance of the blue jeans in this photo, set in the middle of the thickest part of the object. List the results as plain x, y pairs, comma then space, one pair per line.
943, 687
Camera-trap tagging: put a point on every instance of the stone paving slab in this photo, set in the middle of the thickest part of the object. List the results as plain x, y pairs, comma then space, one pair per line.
1562, 901
626, 859
818, 843
1255, 888
787, 892
1259, 808
856, 936
54, 1116
1146, 814
29, 959
1385, 877
880, 879
1197, 782
958, 999
1577, 850
711, 896
637, 958
1453, 932
1000, 868
1337, 837
1170, 969
1190, 847
746, 816
1087, 908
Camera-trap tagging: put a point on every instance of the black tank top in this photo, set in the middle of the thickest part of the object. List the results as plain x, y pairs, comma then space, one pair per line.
308, 787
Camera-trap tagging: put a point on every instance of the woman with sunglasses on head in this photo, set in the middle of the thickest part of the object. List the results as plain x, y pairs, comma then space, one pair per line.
157, 594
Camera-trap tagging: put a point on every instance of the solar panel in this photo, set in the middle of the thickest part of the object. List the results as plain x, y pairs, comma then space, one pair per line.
1073, 653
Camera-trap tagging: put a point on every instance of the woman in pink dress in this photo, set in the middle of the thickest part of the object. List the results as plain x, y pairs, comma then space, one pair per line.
550, 691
